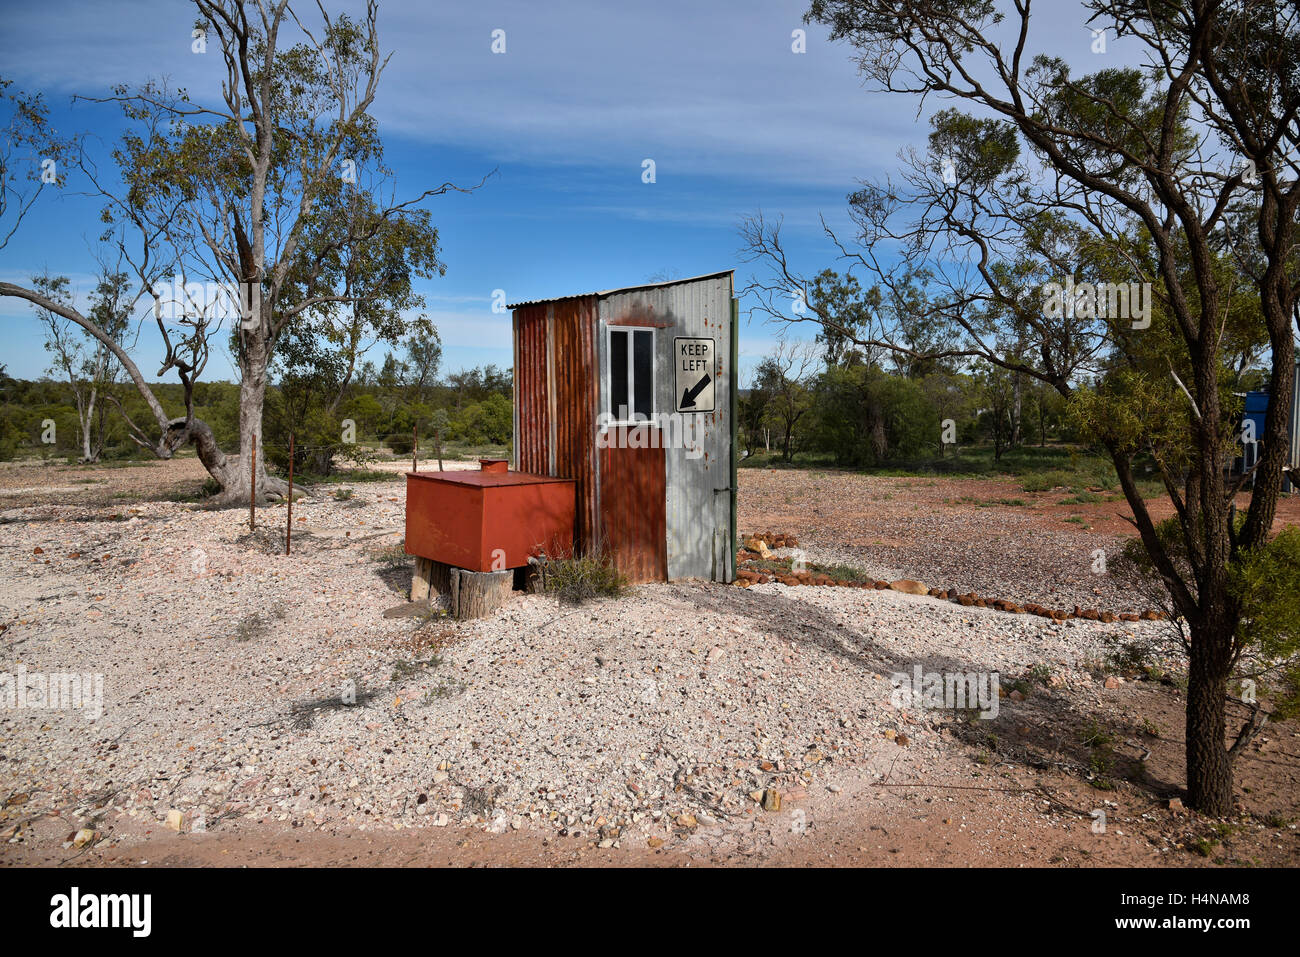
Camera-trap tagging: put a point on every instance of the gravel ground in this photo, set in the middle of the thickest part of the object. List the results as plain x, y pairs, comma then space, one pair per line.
662, 714
954, 533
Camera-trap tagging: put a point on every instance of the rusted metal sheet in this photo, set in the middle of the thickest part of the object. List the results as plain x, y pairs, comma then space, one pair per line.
487, 520
632, 503
531, 408
556, 393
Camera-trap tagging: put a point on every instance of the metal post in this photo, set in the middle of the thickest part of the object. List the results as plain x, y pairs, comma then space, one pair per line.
415, 448
288, 527
252, 485
733, 389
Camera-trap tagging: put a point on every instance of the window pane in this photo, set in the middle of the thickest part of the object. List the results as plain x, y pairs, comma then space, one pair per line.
617, 373
643, 379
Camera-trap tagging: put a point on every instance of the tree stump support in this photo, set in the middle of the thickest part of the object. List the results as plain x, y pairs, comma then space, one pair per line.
469, 594
478, 594
421, 578
430, 579
532, 577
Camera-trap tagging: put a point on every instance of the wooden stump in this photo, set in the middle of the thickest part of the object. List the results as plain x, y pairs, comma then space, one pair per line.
478, 594
532, 577
430, 579
440, 579
420, 579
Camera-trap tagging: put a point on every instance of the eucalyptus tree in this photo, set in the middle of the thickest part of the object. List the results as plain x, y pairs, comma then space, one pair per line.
84, 362
1161, 201
254, 211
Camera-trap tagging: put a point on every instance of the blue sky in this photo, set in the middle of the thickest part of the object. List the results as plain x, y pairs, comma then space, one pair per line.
733, 119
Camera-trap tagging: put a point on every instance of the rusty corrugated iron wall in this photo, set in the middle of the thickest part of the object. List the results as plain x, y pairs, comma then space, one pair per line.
532, 422
556, 391
632, 493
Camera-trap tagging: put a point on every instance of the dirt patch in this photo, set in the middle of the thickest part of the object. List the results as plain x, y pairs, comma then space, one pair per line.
957, 533
267, 707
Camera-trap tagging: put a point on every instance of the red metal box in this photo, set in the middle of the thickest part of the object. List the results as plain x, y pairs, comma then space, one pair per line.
488, 520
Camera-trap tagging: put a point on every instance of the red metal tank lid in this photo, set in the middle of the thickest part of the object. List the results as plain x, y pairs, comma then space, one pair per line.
485, 479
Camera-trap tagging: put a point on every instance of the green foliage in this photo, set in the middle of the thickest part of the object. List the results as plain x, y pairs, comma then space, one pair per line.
863, 416
1101, 755
1265, 581
401, 442
856, 412
577, 580
490, 422
295, 402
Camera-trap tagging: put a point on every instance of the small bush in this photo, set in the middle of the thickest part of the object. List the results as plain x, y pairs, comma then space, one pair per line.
1083, 498
581, 579
842, 573
1101, 759
250, 627
403, 669
1046, 481
392, 556
343, 494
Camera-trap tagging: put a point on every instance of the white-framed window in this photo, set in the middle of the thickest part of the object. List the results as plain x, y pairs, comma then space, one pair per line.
631, 374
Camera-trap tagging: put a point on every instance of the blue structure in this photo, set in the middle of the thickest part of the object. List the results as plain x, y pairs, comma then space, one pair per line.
1255, 411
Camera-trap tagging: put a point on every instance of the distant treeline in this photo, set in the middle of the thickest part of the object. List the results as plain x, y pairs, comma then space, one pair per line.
858, 413
470, 408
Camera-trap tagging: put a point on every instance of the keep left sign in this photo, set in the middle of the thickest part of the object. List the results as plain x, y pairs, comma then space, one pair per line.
693, 358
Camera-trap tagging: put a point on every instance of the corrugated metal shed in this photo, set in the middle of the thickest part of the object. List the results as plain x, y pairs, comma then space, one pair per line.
665, 509
556, 395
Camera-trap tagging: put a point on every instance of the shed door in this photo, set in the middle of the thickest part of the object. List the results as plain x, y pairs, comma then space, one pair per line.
632, 497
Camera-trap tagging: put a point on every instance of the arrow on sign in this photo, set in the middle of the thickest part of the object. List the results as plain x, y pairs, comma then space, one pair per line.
689, 395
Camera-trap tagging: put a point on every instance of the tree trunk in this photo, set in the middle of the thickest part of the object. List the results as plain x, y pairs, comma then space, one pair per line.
87, 420
1015, 412
1209, 767
235, 476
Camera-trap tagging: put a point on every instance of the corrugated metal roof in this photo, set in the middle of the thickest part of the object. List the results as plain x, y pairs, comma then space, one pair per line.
601, 293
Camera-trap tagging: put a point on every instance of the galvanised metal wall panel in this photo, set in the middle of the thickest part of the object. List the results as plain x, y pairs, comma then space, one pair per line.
697, 506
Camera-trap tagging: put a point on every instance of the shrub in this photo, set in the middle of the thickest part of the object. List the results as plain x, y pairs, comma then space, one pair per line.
400, 442
580, 579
